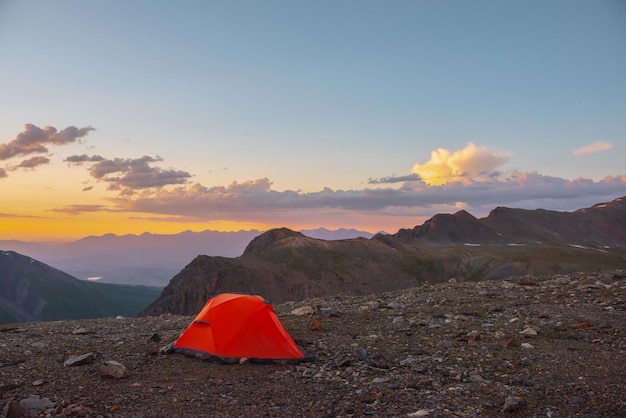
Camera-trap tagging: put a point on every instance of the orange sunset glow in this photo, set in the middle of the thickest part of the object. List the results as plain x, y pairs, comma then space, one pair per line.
221, 117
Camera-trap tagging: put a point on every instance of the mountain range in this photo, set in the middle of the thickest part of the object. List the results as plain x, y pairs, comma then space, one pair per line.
146, 259
286, 265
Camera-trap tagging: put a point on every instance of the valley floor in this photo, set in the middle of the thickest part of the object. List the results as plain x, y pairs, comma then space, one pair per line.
520, 347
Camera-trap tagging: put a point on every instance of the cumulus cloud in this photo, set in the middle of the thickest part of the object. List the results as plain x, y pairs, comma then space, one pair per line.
598, 146
446, 167
31, 162
130, 174
34, 140
3, 173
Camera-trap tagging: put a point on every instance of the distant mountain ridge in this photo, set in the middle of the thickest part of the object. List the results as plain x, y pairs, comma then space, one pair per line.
286, 265
146, 259
601, 225
331, 235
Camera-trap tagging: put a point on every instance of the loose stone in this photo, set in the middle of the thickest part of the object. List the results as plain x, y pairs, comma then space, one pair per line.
304, 310
529, 332
79, 360
512, 343
512, 403
112, 368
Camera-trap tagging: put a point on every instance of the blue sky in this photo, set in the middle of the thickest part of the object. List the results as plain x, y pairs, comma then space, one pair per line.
365, 114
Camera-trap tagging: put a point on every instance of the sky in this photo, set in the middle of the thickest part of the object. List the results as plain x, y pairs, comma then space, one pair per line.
160, 116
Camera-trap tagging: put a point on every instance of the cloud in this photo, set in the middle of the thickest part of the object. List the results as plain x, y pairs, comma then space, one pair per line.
449, 181
78, 209
255, 200
598, 146
394, 179
449, 167
84, 158
15, 215
33, 140
129, 174
31, 162
3, 173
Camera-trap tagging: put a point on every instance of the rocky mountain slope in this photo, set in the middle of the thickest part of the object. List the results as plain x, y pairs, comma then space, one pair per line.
284, 265
532, 346
603, 225
33, 291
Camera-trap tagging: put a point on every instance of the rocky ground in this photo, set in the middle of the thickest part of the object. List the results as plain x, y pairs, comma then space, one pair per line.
521, 347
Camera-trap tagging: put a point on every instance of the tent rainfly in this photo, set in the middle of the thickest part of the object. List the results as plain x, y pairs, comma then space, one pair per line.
233, 326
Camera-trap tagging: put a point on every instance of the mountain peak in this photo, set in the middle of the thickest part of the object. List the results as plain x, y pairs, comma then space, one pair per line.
268, 239
445, 228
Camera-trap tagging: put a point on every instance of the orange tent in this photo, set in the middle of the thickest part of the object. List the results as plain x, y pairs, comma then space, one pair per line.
232, 326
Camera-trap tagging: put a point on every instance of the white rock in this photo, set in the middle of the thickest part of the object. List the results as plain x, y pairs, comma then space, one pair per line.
79, 360
304, 310
529, 332
80, 330
420, 413
112, 368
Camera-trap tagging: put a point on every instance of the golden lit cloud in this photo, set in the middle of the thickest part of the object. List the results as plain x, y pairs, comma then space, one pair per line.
598, 146
449, 167
140, 196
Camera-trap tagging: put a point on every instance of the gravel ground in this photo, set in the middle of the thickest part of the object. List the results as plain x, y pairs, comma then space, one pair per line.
521, 347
